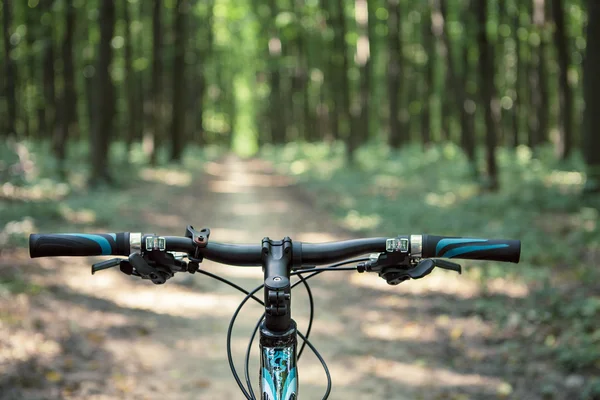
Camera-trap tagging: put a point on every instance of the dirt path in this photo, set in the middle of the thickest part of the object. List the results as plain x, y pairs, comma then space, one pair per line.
110, 336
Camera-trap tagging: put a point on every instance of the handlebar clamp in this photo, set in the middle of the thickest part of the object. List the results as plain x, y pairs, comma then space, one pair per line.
200, 239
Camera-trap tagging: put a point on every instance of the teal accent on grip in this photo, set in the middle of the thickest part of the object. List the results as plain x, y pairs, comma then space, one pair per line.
447, 242
101, 240
469, 249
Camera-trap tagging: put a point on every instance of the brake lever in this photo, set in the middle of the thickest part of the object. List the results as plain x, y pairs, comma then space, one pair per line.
99, 266
445, 264
394, 276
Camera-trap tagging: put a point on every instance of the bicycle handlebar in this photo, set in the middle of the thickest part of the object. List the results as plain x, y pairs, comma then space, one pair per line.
422, 246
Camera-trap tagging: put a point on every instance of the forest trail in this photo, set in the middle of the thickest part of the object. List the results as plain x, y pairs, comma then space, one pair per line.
111, 336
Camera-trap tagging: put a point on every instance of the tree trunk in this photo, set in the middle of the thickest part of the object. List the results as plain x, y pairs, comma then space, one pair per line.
100, 135
69, 111
130, 81
427, 78
178, 113
373, 102
457, 87
591, 93
28, 97
50, 111
486, 70
154, 138
360, 108
10, 74
519, 102
342, 88
539, 19
396, 134
565, 143
204, 54
468, 109
277, 115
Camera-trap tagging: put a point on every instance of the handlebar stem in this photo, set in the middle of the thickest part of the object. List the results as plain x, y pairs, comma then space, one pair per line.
276, 257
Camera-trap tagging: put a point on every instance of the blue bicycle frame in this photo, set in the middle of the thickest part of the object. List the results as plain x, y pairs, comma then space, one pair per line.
278, 341
278, 373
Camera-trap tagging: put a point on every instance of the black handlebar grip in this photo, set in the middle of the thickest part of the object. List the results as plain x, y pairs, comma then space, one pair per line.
473, 249
78, 244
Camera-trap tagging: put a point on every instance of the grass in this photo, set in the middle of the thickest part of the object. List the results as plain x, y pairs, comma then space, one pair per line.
386, 193
434, 191
33, 198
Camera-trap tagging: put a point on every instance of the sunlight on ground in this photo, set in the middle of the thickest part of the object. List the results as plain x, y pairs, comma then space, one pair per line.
358, 222
171, 177
46, 190
242, 184
82, 216
258, 208
316, 237
165, 220
443, 282
565, 178
149, 353
228, 235
411, 374
438, 281
227, 186
177, 302
394, 331
20, 345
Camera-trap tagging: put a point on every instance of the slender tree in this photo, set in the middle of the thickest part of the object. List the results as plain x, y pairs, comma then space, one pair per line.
457, 87
591, 93
519, 102
29, 83
100, 135
565, 143
486, 69
69, 110
130, 80
538, 80
178, 113
394, 65
373, 102
10, 74
343, 89
157, 96
205, 52
49, 87
277, 115
427, 72
360, 108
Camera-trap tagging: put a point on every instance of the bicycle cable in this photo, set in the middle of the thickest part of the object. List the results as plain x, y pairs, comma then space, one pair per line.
308, 329
315, 271
305, 340
311, 306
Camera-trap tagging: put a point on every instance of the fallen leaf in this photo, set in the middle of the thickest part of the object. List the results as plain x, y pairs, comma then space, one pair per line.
504, 389
53, 376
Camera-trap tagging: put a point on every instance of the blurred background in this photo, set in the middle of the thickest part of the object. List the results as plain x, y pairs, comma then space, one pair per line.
329, 119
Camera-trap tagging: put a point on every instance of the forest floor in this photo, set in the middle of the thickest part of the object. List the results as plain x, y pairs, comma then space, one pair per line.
67, 335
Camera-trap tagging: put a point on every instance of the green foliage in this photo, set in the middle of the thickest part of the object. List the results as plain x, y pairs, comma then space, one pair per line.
432, 191
17, 284
35, 199
592, 390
